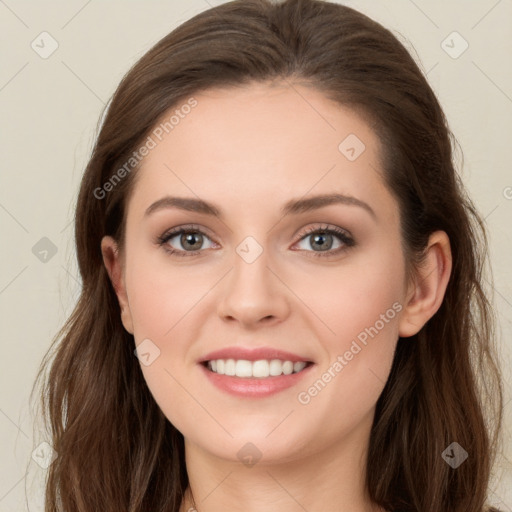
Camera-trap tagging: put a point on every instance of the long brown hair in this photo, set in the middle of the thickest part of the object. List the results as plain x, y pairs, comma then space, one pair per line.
116, 449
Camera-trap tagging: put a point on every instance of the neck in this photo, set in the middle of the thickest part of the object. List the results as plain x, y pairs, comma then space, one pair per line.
332, 480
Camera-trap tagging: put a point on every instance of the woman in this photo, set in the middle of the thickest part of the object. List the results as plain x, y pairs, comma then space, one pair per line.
282, 302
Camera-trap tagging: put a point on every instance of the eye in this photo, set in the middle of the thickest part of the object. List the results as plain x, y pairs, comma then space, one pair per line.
326, 241
184, 241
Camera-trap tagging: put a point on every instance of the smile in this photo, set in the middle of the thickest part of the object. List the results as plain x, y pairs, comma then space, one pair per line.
262, 368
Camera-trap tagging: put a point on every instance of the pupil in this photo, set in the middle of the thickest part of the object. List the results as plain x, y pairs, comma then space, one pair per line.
321, 237
192, 239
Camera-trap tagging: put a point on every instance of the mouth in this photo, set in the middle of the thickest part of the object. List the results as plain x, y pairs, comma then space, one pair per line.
253, 373
259, 369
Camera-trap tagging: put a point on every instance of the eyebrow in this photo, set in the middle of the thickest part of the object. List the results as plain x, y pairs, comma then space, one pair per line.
292, 207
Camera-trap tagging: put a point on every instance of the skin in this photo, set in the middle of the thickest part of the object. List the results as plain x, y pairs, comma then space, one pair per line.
250, 150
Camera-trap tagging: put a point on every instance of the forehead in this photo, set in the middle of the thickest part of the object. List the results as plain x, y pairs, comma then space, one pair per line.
260, 141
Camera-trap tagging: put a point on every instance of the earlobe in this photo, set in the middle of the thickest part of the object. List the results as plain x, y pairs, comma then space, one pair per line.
113, 264
427, 293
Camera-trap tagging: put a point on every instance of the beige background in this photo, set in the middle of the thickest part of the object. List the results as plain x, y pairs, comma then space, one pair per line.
49, 110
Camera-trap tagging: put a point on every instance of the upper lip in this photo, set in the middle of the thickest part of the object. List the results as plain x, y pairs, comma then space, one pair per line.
252, 354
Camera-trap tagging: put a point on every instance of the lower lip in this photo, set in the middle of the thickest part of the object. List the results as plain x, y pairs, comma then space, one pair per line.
254, 387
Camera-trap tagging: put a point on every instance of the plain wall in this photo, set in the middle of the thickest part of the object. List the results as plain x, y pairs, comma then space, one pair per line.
49, 112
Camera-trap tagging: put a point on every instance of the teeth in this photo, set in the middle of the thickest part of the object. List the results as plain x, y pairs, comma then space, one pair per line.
243, 368
261, 368
229, 367
256, 369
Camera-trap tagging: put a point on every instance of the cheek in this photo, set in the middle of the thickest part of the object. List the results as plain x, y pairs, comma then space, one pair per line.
355, 295
162, 296
359, 306
164, 302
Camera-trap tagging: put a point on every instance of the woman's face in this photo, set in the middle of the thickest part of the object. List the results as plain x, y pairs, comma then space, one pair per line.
303, 255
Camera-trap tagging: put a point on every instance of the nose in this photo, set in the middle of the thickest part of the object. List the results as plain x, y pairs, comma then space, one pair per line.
253, 295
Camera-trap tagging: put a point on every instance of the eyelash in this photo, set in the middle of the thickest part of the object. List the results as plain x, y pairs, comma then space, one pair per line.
341, 234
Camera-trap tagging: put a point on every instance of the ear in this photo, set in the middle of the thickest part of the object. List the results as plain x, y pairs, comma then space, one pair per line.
113, 264
426, 294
